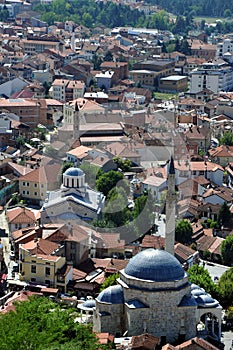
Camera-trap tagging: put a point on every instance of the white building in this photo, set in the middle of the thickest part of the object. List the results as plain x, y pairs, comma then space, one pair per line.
224, 47
215, 76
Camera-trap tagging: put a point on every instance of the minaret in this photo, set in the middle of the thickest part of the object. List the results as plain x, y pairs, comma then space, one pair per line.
170, 209
76, 122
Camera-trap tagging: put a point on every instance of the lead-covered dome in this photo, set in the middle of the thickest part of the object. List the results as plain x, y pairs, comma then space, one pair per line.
112, 295
73, 172
155, 265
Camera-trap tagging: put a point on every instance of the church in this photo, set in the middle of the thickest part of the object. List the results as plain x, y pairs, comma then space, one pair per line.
75, 200
153, 294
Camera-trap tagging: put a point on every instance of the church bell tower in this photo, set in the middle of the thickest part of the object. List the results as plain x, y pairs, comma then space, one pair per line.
170, 209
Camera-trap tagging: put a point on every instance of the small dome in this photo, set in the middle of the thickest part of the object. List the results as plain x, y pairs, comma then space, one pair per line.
206, 300
112, 295
197, 292
73, 172
155, 265
87, 305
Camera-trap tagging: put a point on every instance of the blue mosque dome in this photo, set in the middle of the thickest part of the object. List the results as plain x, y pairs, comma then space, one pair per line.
155, 265
74, 172
112, 295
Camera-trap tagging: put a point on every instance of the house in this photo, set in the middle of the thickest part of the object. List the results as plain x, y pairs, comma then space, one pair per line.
40, 263
187, 169
21, 217
76, 155
35, 185
123, 150
105, 79
211, 245
218, 195
155, 185
198, 135
221, 155
120, 69
192, 344
186, 255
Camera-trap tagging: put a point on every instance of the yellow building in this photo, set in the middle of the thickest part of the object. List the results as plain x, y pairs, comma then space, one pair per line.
39, 264
34, 185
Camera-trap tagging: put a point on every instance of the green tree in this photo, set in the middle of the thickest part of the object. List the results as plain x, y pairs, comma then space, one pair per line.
226, 249
108, 180
144, 214
224, 215
200, 276
122, 163
91, 173
108, 56
96, 60
227, 139
183, 231
225, 287
116, 212
110, 281
40, 324
227, 13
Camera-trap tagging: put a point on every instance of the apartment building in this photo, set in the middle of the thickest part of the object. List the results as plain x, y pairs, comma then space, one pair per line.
67, 90
216, 76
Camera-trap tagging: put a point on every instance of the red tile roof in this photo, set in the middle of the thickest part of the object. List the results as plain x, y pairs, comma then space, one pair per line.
44, 174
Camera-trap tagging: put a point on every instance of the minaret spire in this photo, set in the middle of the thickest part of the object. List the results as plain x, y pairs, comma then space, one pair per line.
76, 122
170, 209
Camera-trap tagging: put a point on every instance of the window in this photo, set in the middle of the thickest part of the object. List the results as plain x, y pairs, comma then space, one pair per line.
33, 268
33, 279
47, 271
47, 282
35, 193
24, 183
35, 185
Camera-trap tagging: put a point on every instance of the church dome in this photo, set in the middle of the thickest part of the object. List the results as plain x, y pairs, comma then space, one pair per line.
73, 172
155, 265
112, 295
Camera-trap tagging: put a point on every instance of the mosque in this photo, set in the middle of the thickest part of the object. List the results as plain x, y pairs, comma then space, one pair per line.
153, 294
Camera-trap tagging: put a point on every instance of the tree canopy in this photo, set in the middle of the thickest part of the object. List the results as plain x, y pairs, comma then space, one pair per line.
110, 281
224, 215
201, 277
40, 324
227, 250
227, 139
183, 232
225, 287
108, 180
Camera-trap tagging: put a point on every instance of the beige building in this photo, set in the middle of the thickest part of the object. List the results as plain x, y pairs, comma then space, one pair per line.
33, 45
67, 90
173, 83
